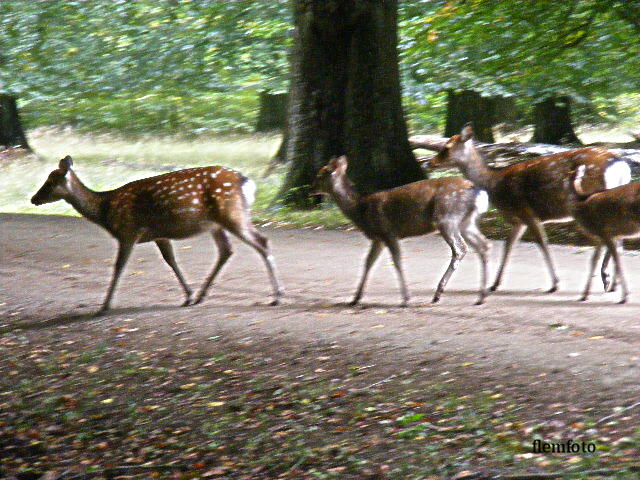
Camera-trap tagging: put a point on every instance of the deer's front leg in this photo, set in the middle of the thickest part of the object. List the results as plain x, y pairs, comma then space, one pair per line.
124, 251
372, 256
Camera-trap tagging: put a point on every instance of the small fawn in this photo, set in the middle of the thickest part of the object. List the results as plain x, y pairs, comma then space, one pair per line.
450, 205
174, 205
531, 193
606, 216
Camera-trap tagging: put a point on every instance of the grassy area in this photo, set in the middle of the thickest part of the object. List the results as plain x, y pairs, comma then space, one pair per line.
104, 162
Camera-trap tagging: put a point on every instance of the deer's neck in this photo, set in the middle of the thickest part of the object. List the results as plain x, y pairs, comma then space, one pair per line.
475, 169
347, 199
87, 202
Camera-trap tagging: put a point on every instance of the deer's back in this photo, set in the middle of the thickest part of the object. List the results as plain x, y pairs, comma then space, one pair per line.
176, 204
412, 209
539, 184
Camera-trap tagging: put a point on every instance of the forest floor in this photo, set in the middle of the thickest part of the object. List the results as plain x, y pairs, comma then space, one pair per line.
313, 388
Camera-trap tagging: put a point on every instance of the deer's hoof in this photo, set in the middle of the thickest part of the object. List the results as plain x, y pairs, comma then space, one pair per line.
276, 302
188, 302
622, 301
435, 299
198, 300
494, 287
480, 301
583, 298
553, 289
102, 312
354, 302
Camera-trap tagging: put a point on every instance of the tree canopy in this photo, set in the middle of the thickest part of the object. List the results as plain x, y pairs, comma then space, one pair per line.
198, 65
140, 51
519, 47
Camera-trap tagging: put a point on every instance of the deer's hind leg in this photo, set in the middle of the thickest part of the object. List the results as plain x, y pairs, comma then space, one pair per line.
450, 230
224, 253
166, 249
248, 234
394, 247
480, 244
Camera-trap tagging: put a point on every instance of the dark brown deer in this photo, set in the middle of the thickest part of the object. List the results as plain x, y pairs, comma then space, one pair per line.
606, 216
449, 205
533, 192
171, 206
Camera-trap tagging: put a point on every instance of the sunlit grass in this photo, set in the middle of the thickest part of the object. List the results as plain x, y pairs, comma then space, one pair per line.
104, 162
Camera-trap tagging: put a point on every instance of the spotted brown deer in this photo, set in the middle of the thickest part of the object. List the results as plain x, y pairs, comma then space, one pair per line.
531, 193
171, 206
606, 216
449, 205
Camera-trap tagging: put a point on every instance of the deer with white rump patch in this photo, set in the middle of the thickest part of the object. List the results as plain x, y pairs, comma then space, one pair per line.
174, 205
449, 205
533, 192
606, 216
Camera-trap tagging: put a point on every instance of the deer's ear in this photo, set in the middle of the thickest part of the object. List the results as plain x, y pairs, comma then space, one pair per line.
466, 133
65, 164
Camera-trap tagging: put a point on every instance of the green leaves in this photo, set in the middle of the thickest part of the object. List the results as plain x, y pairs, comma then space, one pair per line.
515, 47
64, 52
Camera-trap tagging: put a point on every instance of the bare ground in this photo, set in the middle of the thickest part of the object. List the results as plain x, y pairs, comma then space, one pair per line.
54, 272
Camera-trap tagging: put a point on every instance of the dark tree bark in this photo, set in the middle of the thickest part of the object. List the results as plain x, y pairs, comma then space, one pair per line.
552, 120
345, 97
11, 132
469, 106
273, 111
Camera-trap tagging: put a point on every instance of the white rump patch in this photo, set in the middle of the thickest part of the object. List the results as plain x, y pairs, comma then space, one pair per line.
617, 174
482, 201
249, 191
577, 181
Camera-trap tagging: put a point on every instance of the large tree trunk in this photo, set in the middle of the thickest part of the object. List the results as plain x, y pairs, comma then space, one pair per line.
11, 132
552, 119
345, 97
469, 106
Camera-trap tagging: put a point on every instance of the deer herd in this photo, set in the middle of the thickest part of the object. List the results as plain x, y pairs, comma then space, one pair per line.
588, 185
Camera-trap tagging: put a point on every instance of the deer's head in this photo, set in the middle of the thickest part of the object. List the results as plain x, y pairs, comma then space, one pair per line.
56, 187
453, 151
328, 175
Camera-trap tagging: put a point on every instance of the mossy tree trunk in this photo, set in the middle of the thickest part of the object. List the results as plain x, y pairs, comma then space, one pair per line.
345, 97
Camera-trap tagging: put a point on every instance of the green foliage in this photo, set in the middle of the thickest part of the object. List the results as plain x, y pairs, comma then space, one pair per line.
160, 65
518, 47
197, 65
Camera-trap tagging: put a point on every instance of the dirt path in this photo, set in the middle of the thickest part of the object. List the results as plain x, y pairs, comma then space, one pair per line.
54, 271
